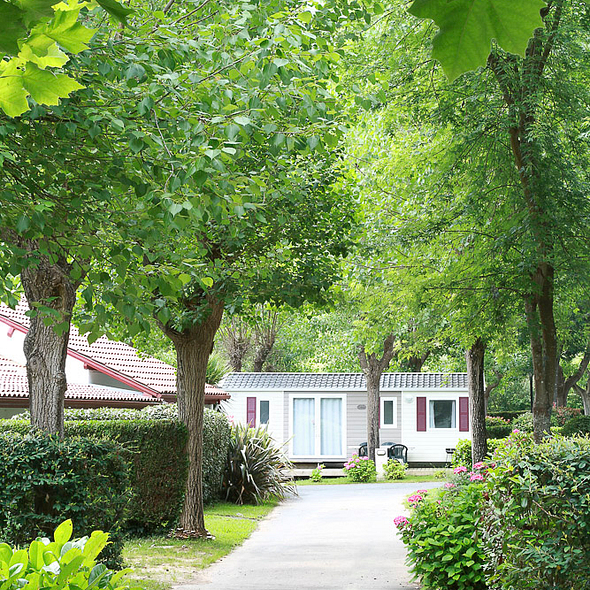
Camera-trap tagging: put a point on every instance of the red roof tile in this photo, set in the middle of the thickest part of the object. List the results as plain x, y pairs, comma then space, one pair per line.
156, 376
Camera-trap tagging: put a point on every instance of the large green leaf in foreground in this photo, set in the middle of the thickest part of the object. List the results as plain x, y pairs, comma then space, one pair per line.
467, 28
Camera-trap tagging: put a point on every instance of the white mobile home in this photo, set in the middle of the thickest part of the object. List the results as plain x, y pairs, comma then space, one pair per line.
323, 416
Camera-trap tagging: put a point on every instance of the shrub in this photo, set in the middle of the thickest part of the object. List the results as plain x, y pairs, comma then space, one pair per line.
497, 427
59, 564
394, 470
524, 422
442, 537
561, 415
45, 479
507, 415
256, 468
537, 515
216, 442
462, 455
316, 474
360, 469
578, 425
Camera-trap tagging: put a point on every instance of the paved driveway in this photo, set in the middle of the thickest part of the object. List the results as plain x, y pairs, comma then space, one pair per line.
329, 537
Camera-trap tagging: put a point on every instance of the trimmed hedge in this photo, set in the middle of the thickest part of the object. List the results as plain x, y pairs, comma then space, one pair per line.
497, 427
507, 415
46, 480
577, 425
155, 442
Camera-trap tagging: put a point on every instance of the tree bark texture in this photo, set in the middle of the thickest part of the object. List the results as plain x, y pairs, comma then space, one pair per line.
45, 347
477, 409
584, 393
373, 368
490, 387
415, 362
237, 341
193, 346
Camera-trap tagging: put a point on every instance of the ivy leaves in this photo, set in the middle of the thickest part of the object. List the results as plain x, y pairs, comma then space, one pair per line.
467, 28
32, 39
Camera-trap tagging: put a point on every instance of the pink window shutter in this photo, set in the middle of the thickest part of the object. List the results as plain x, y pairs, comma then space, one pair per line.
421, 414
463, 414
251, 411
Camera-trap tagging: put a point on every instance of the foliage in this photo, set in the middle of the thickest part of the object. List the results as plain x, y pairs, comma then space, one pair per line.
507, 415
537, 515
462, 454
523, 422
467, 28
257, 468
217, 369
497, 427
395, 470
577, 425
316, 474
61, 563
360, 469
561, 415
46, 480
33, 39
441, 535
157, 478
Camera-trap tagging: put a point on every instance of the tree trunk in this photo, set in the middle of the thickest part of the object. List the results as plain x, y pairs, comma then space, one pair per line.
585, 395
415, 362
237, 342
373, 368
477, 409
565, 385
541, 324
266, 334
490, 387
193, 346
45, 347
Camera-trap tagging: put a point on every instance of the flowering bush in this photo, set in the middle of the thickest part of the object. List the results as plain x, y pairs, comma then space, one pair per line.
316, 474
537, 515
360, 469
462, 455
442, 537
394, 470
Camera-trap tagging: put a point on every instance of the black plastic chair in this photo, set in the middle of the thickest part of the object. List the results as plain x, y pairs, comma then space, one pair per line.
398, 452
363, 452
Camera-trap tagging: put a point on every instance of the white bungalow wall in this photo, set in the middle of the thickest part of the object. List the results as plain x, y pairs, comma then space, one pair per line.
431, 445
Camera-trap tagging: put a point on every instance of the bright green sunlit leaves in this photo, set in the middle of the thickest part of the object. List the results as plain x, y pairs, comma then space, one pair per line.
467, 28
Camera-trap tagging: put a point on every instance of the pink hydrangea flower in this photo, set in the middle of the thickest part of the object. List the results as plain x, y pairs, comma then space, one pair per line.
479, 465
422, 492
400, 522
475, 477
415, 498
515, 431
460, 469
449, 485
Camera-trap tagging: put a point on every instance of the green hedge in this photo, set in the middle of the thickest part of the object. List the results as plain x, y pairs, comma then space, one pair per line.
577, 425
507, 415
46, 480
497, 427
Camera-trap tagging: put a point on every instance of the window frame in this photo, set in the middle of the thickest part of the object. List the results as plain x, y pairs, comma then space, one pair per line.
430, 418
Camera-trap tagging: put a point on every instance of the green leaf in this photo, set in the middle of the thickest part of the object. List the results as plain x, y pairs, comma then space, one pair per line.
115, 9
45, 87
13, 28
13, 96
305, 17
467, 28
65, 29
63, 533
36, 550
5, 553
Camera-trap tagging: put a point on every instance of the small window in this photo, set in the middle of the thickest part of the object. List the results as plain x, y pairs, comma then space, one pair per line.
443, 414
264, 411
388, 412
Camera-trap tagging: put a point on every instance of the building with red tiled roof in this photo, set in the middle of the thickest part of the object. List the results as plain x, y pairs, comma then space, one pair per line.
105, 373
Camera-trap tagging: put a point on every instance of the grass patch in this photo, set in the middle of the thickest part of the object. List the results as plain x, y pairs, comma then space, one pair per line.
337, 481
160, 562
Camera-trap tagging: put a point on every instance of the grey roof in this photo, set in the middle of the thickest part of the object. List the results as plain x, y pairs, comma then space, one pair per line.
341, 381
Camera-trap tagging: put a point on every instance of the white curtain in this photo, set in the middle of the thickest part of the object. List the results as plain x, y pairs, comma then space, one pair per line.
331, 426
303, 426
443, 414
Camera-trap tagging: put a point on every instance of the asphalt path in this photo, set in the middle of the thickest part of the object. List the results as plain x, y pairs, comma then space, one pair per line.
328, 538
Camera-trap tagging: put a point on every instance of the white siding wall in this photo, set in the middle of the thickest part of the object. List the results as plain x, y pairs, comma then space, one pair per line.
429, 446
236, 408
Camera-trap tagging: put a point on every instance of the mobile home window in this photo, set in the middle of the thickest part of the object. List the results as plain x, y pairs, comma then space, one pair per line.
443, 414
388, 412
264, 411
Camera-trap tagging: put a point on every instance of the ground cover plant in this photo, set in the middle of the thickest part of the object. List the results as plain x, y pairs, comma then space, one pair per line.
158, 562
395, 470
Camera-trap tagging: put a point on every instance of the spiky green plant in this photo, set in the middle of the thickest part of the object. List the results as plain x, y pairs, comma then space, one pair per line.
257, 468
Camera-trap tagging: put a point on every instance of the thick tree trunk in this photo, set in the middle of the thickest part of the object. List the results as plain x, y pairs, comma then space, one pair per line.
477, 408
45, 347
543, 336
373, 368
415, 362
193, 346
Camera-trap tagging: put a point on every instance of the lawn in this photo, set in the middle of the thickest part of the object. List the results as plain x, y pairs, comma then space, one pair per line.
159, 562
337, 481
